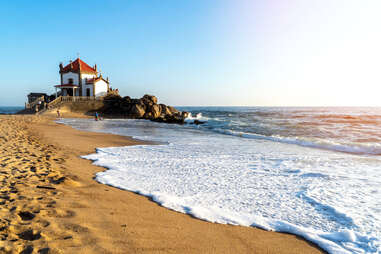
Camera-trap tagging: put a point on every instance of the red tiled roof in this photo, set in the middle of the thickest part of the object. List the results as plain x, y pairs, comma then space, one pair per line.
78, 66
93, 80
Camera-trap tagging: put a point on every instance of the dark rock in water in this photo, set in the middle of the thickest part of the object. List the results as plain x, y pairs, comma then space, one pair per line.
198, 122
174, 118
177, 118
184, 114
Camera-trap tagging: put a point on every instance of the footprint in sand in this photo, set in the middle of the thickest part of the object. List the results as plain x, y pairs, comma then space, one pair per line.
24, 215
28, 250
43, 223
75, 228
30, 235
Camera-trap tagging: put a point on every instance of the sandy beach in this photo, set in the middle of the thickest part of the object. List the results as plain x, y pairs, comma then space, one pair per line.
50, 203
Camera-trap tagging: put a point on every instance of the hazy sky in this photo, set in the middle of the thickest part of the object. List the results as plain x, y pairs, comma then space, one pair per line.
200, 52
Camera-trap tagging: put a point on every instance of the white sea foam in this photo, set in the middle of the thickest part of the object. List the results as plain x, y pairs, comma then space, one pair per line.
331, 199
347, 147
374, 149
190, 119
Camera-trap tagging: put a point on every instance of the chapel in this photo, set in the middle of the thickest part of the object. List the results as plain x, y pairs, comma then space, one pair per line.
80, 79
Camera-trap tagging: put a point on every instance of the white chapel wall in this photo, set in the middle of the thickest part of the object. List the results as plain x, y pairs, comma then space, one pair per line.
100, 88
67, 76
84, 86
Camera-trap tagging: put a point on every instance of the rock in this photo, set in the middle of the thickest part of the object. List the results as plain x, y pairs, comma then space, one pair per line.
136, 101
137, 111
165, 110
150, 98
175, 119
155, 110
198, 122
148, 115
145, 107
184, 114
127, 99
112, 97
172, 109
126, 108
144, 103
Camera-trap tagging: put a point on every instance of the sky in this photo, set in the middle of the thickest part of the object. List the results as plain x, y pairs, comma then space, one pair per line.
199, 52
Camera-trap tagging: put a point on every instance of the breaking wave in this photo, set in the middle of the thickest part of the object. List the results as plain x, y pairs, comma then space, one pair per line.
305, 130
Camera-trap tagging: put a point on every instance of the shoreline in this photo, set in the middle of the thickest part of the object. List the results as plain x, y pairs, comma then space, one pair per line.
120, 221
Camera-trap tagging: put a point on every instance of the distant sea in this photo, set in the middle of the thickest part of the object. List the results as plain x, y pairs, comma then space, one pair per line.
313, 172
10, 110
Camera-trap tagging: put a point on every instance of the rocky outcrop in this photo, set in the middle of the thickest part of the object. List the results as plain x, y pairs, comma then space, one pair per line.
143, 108
137, 110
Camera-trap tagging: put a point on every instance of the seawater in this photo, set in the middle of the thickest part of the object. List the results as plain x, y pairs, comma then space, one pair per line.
314, 172
10, 110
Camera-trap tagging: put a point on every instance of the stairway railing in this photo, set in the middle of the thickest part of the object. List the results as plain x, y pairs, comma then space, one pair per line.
35, 102
61, 99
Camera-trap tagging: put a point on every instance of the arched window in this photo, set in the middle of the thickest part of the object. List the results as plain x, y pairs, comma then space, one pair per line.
71, 81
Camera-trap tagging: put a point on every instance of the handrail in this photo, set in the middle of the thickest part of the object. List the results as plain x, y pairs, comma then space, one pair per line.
60, 99
54, 102
35, 102
81, 98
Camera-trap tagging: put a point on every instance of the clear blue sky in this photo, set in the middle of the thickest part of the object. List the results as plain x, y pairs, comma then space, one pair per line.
200, 52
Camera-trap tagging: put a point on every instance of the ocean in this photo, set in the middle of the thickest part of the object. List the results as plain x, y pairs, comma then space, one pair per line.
10, 110
313, 172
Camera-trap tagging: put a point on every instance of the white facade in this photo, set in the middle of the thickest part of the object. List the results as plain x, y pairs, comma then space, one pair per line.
86, 86
70, 75
101, 88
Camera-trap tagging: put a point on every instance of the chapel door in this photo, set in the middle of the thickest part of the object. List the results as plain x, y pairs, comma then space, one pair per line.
88, 92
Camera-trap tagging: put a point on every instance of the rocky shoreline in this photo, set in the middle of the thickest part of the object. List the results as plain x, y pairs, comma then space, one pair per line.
112, 106
146, 107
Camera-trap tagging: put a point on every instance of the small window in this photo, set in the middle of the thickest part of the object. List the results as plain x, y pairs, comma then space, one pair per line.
71, 81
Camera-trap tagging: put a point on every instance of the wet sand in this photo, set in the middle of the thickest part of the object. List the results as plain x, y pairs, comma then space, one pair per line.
50, 203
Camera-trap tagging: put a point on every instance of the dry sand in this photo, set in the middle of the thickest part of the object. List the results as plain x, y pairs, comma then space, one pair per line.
50, 203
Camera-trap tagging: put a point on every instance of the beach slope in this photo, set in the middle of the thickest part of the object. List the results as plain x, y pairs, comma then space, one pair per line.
50, 203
